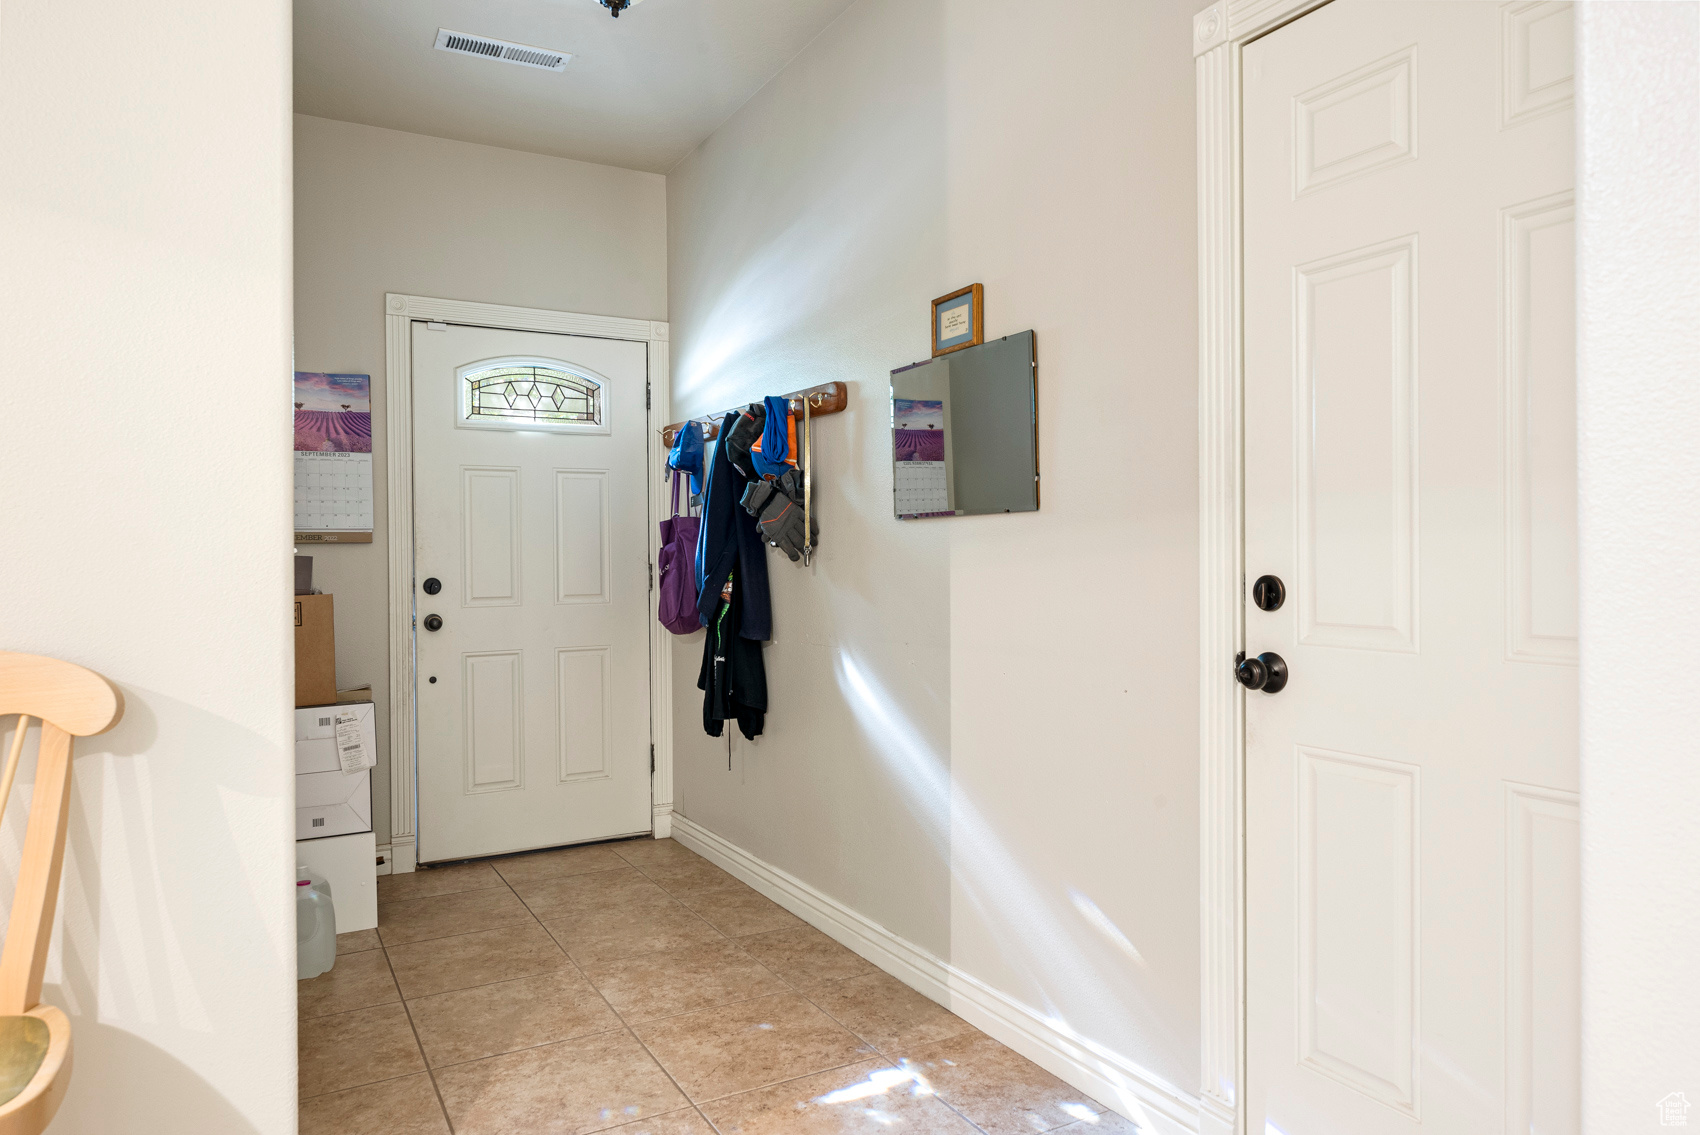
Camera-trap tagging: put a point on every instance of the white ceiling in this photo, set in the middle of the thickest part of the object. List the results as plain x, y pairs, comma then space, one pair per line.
640, 92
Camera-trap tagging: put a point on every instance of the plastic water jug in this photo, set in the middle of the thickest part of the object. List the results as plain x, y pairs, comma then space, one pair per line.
315, 925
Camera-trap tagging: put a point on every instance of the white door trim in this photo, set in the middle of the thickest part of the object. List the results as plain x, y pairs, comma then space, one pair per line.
400, 311
1219, 33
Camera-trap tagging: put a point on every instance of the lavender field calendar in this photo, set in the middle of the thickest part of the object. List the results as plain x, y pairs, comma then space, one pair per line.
333, 458
921, 482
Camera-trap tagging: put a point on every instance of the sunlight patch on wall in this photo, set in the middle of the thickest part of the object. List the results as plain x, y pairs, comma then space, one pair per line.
1062, 943
781, 290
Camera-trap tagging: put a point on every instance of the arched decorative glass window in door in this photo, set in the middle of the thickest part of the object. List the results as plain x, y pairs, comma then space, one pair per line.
530, 394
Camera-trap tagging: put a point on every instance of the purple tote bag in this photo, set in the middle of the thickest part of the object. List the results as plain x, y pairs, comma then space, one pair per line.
676, 566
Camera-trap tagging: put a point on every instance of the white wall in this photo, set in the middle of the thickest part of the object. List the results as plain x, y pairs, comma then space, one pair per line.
800, 234
383, 211
144, 286
983, 732
1639, 400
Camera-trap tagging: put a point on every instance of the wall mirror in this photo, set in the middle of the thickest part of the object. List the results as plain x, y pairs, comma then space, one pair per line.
965, 432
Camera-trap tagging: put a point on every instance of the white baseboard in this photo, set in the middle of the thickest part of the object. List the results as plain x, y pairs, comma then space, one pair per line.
662, 821
401, 857
1113, 1080
1215, 1118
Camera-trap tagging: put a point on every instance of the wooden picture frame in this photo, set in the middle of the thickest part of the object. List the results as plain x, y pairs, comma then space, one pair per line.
946, 318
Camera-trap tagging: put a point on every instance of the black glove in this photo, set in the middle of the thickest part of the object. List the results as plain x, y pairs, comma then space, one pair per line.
756, 497
781, 525
790, 483
745, 432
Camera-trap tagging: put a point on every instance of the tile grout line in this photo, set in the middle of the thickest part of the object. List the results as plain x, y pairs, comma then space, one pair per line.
665, 1071
878, 1052
416, 1041
891, 1061
488, 984
570, 962
505, 885
356, 1087
873, 1051
695, 1105
556, 942
637, 1040
499, 885
529, 1048
863, 1059
704, 1008
460, 933
430, 1074
789, 986
530, 915
395, 986
624, 1024
794, 989
430, 1069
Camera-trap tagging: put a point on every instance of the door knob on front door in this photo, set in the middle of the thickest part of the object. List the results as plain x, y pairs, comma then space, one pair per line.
433, 622
1266, 672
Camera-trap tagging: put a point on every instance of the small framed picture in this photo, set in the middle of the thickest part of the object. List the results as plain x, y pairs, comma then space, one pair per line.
959, 320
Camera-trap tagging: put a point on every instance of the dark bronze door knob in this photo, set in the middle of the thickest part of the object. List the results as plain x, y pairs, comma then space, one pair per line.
433, 622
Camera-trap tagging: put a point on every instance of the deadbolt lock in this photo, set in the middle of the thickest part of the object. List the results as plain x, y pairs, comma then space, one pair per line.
1269, 593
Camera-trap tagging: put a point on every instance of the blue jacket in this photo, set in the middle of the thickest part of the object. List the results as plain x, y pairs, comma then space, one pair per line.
729, 539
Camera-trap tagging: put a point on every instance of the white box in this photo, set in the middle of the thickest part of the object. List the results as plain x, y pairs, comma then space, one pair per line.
350, 864
328, 801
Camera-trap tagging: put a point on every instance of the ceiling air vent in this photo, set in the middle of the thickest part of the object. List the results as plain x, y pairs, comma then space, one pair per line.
501, 50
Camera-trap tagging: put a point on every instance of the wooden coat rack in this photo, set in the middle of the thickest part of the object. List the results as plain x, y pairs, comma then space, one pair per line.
829, 398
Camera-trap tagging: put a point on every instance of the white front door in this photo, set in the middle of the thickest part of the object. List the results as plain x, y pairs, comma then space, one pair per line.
530, 589
1412, 874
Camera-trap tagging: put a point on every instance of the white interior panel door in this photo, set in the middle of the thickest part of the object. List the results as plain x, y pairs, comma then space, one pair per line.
531, 519
1412, 875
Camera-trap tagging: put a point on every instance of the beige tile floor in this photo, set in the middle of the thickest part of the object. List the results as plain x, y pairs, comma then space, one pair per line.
636, 988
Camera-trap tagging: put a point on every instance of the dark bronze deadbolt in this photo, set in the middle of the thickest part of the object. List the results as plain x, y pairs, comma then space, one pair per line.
433, 679
433, 622
1266, 672
1268, 593
432, 585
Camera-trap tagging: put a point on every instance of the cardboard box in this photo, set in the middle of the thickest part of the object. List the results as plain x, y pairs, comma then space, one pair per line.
315, 651
328, 801
332, 803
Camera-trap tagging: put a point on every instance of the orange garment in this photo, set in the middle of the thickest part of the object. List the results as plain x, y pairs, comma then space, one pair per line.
790, 441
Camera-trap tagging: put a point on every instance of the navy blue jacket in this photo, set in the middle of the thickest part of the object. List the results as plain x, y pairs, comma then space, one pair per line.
729, 539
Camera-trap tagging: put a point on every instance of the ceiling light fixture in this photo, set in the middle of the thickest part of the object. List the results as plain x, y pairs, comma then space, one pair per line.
615, 7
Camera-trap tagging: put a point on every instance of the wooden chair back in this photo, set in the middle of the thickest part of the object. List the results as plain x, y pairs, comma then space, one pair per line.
68, 701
